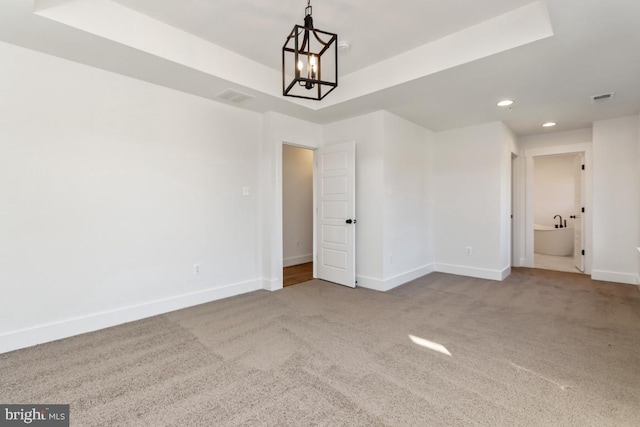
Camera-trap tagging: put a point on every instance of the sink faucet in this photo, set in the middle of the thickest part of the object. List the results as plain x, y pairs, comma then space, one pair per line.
558, 226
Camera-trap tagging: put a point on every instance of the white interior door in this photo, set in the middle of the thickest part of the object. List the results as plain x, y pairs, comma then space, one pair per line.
336, 221
578, 222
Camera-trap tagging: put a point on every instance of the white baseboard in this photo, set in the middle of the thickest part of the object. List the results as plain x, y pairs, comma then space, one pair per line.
395, 281
370, 283
28, 337
271, 284
401, 279
480, 273
613, 276
296, 260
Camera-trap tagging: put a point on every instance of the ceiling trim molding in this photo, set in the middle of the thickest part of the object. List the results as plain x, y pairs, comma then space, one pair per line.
117, 23
125, 26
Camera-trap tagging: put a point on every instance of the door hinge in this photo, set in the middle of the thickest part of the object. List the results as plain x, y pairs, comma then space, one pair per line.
583, 252
582, 167
582, 210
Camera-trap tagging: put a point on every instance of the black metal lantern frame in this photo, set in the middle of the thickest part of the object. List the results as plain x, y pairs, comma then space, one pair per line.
309, 61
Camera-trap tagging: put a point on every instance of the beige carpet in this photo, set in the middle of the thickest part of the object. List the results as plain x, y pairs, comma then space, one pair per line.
541, 348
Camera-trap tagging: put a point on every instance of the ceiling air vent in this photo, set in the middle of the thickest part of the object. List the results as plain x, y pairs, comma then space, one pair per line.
602, 98
235, 96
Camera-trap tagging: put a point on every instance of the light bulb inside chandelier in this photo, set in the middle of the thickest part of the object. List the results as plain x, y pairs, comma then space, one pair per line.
311, 70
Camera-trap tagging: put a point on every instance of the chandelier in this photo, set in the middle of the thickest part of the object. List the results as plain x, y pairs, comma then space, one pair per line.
309, 61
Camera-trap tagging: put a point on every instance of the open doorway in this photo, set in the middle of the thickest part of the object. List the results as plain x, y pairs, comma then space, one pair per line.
557, 212
297, 214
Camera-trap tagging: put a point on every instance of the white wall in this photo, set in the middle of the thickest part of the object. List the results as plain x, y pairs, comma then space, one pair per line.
554, 189
297, 205
556, 139
407, 243
112, 189
472, 182
616, 196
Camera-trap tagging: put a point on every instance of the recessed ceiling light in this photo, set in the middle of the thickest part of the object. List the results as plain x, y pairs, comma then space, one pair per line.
505, 103
549, 125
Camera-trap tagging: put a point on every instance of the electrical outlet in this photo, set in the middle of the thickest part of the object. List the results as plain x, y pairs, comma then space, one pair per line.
246, 191
468, 250
196, 269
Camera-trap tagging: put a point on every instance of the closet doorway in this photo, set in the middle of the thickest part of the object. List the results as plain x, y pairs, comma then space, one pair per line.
297, 214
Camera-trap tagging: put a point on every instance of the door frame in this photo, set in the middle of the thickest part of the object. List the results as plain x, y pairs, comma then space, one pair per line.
313, 195
530, 154
514, 207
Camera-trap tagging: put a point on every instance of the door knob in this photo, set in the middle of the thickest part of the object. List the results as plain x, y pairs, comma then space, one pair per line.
351, 221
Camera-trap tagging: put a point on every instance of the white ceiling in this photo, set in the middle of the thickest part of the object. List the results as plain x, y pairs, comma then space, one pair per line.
438, 63
376, 29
